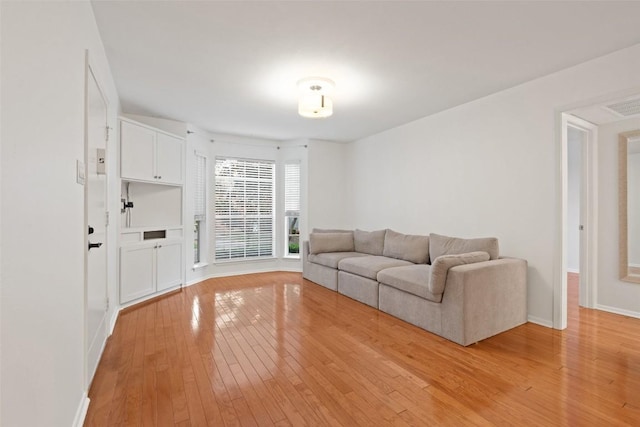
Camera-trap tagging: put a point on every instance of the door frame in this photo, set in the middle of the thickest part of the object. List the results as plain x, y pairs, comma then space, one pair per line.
588, 218
90, 72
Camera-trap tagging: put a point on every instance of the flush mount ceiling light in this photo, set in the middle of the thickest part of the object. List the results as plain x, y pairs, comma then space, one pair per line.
314, 97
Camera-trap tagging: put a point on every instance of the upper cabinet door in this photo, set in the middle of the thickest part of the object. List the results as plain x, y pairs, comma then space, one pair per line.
137, 152
168, 159
150, 155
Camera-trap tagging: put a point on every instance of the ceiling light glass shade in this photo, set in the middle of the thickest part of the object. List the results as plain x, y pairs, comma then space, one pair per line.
314, 99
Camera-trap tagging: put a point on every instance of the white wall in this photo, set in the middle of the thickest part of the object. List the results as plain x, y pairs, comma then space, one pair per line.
487, 168
172, 126
1, 174
574, 142
43, 236
328, 184
613, 294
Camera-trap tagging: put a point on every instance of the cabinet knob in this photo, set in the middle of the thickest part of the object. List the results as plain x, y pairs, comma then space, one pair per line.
155, 176
159, 177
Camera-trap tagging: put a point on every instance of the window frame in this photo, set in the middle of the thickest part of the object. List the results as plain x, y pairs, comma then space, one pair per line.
201, 225
244, 219
287, 236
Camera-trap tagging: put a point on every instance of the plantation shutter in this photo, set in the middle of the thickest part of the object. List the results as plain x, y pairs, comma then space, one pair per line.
244, 208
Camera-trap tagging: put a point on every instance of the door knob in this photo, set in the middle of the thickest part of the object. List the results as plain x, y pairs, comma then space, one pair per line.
94, 245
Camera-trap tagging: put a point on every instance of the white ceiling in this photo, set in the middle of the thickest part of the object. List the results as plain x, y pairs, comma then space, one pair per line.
232, 67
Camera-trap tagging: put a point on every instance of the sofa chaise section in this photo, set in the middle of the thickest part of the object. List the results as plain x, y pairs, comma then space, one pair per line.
481, 299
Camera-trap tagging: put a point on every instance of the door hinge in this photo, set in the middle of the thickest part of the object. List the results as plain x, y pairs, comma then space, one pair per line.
106, 134
107, 304
106, 218
581, 227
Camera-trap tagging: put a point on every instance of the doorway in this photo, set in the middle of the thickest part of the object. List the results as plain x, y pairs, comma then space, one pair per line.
579, 263
576, 144
96, 294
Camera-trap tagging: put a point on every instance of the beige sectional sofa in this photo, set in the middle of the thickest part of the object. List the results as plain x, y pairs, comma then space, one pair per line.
460, 289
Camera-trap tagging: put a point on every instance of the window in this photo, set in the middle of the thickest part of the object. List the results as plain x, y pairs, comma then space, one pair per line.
292, 209
199, 210
244, 209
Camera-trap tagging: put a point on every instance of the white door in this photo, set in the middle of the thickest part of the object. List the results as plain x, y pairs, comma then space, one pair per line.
95, 208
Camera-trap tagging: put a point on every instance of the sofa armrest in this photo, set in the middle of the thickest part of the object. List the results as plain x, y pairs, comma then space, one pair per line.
305, 251
483, 299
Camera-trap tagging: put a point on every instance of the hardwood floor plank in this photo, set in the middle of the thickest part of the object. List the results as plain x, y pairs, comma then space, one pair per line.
164, 408
276, 350
197, 415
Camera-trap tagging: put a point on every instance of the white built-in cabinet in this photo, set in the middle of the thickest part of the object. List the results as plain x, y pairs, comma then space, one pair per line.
149, 267
151, 234
150, 155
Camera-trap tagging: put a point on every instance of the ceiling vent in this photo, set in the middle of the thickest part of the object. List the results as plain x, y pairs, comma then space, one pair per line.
628, 108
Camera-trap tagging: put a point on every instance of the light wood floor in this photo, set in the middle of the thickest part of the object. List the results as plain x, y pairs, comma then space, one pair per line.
274, 349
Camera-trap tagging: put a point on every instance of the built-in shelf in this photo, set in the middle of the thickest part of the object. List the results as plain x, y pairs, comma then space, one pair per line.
151, 221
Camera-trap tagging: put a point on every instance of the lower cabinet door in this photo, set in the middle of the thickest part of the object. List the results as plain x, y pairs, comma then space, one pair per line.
168, 265
136, 272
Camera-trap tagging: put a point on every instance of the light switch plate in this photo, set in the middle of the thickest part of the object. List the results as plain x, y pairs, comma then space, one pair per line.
80, 172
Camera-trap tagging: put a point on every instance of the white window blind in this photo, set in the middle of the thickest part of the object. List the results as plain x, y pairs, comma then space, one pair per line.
292, 209
292, 189
244, 208
200, 195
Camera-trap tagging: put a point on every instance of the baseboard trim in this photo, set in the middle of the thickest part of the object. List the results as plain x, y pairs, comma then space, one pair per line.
81, 413
114, 319
540, 321
619, 311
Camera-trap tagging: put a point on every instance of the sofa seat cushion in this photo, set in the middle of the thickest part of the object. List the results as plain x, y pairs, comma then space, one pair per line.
331, 259
413, 279
369, 266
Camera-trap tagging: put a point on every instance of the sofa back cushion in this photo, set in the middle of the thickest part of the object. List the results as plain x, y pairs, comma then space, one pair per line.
369, 242
442, 264
330, 230
443, 245
408, 247
330, 242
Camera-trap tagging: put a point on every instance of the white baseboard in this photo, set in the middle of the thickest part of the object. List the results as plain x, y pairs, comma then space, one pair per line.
540, 321
620, 311
114, 319
81, 413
